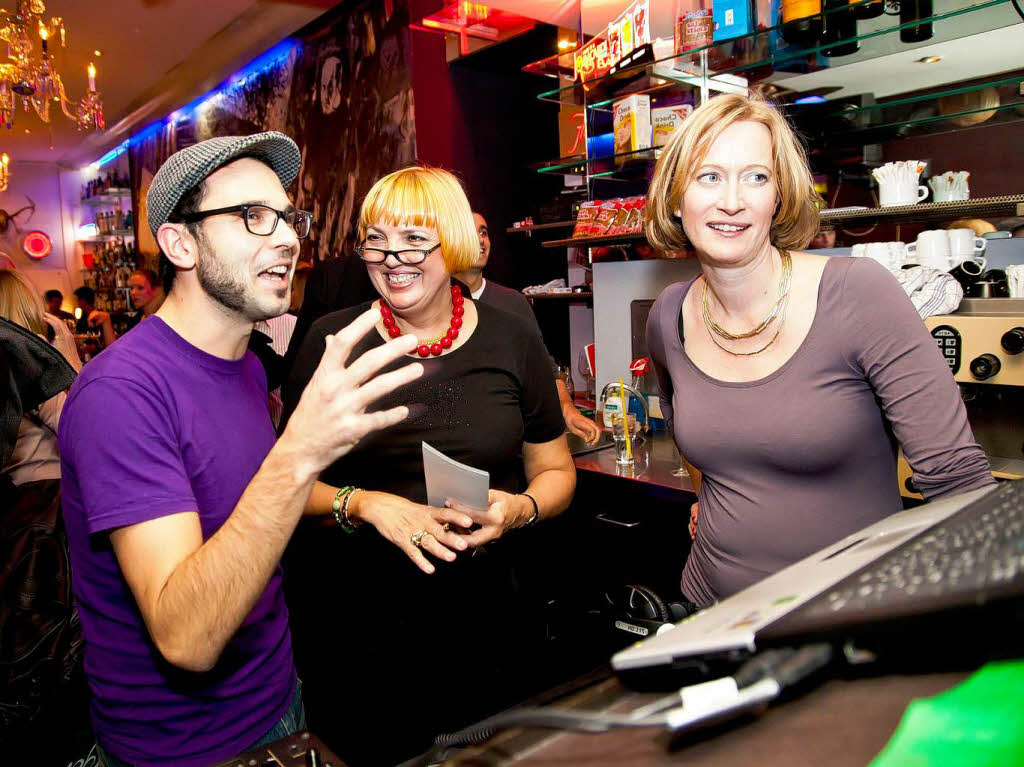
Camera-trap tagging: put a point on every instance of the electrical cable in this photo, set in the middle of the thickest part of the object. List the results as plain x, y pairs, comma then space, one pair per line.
773, 671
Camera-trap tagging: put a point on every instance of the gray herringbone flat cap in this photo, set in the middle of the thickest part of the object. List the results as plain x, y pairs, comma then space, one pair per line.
188, 167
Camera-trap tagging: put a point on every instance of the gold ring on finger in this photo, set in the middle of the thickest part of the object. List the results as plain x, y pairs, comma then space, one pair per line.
417, 538
446, 526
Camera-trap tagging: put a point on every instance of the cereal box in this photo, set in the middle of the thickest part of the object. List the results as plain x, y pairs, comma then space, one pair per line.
632, 123
664, 120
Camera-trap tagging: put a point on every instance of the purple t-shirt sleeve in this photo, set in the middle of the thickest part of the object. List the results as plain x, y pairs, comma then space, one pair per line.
127, 456
884, 339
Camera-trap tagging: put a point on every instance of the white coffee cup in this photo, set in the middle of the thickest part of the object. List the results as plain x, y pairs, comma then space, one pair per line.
964, 246
930, 249
897, 254
896, 193
880, 252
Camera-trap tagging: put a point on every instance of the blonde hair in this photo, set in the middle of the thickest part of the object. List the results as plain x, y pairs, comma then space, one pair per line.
796, 219
426, 197
20, 303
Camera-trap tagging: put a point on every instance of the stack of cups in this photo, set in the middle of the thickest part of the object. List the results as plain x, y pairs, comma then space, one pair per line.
889, 254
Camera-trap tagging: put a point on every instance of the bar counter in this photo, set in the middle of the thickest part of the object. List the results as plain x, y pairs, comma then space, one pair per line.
654, 461
840, 722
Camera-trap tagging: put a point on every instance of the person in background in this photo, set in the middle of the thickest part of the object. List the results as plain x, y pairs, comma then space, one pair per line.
412, 574
1015, 226
178, 501
35, 456
42, 692
490, 292
269, 342
54, 299
91, 317
331, 285
147, 294
787, 379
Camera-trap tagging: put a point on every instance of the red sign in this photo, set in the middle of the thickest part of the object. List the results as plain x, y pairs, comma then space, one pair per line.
37, 245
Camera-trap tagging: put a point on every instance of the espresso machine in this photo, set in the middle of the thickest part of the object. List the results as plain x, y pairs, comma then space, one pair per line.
983, 344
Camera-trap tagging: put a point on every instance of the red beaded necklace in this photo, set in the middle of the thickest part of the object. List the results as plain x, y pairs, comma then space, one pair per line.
436, 345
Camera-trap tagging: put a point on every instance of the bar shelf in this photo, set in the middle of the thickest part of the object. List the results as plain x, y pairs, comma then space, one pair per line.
982, 207
764, 56
541, 227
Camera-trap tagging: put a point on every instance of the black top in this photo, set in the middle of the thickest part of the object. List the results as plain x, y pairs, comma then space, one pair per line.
372, 633
513, 301
477, 405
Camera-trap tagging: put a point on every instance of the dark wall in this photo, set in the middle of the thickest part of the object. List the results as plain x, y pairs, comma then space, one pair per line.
480, 117
344, 94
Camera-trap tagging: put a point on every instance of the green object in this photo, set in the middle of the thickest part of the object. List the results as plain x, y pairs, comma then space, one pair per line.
979, 722
336, 506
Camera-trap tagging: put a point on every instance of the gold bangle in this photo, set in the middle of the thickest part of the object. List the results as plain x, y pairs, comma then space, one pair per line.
344, 509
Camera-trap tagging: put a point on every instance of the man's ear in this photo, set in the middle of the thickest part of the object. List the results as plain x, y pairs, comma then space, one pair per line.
178, 244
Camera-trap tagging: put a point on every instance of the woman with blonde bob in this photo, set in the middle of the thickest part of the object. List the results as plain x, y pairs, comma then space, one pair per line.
787, 378
451, 623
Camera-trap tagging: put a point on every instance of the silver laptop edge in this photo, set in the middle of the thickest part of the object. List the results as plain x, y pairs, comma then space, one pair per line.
733, 623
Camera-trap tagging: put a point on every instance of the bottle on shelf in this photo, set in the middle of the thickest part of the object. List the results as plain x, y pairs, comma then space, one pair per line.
868, 9
915, 10
802, 22
839, 29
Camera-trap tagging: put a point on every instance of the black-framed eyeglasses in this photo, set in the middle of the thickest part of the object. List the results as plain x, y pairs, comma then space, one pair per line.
407, 257
260, 219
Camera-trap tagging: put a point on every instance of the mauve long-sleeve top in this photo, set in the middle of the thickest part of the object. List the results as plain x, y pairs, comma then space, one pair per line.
807, 455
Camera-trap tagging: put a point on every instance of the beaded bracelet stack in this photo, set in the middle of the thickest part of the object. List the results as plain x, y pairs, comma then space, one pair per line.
340, 508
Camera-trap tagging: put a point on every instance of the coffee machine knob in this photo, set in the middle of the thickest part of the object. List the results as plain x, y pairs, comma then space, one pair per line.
985, 366
1013, 341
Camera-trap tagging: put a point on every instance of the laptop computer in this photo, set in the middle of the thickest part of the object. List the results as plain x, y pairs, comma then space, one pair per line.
943, 560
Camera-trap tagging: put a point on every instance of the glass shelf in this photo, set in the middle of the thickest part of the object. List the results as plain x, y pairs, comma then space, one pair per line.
982, 207
605, 165
559, 65
109, 197
540, 227
937, 111
765, 56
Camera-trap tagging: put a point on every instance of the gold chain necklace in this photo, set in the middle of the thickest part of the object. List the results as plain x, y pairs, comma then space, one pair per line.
778, 311
784, 285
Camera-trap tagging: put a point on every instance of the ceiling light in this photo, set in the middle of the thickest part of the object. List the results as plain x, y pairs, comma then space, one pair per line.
930, 60
29, 74
810, 100
564, 45
97, 53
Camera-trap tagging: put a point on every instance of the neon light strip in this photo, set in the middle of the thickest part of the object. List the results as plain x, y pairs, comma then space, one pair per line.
262, 63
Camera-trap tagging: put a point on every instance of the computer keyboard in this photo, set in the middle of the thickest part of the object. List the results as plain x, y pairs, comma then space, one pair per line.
973, 556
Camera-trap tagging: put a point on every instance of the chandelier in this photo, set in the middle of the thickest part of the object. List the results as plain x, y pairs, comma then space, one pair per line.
34, 80
5, 176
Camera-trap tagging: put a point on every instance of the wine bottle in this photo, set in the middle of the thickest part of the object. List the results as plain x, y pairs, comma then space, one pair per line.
871, 9
802, 21
839, 24
915, 10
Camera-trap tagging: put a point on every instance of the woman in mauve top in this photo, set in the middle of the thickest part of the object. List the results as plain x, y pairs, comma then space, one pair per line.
788, 379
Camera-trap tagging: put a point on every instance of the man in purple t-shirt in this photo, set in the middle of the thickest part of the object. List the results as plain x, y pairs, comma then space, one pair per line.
178, 502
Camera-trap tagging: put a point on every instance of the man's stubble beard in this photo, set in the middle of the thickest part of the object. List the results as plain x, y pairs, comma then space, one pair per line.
225, 288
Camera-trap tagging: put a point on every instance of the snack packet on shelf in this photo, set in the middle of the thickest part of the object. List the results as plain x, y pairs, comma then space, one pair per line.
605, 217
585, 218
